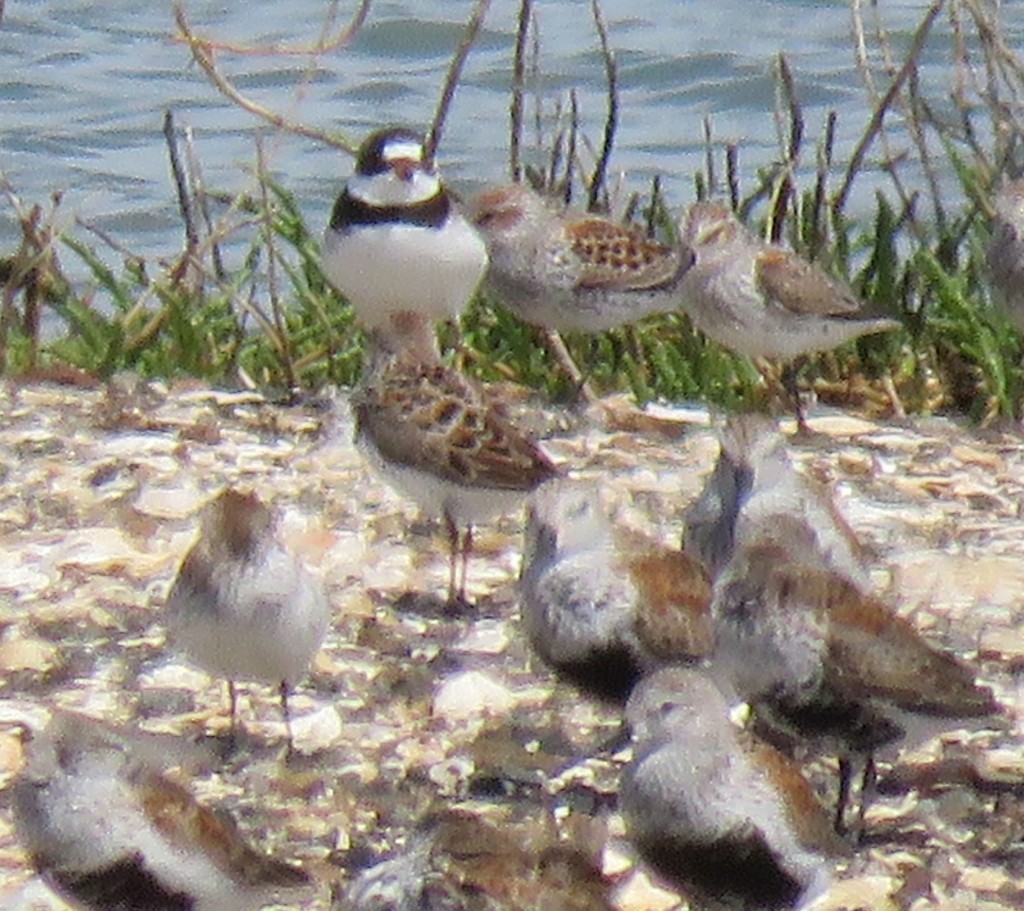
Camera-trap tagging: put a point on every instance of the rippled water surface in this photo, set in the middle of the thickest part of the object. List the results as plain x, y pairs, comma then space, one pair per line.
87, 85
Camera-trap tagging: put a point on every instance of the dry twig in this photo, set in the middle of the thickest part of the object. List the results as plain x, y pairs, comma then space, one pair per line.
325, 44
203, 52
451, 83
611, 123
861, 56
275, 327
882, 107
790, 143
571, 148
818, 222
518, 87
195, 170
709, 158
33, 271
180, 181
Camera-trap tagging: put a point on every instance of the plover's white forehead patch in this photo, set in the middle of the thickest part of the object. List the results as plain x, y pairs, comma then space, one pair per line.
402, 148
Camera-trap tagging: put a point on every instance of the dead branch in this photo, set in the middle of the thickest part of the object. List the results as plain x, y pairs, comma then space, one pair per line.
550, 181
789, 143
195, 169
277, 329
818, 222
451, 82
518, 87
203, 54
732, 174
709, 159
597, 178
864, 67
922, 113
325, 44
572, 148
180, 180
883, 105
33, 271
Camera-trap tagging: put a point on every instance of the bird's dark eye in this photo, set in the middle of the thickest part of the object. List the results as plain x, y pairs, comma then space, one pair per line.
743, 481
740, 608
497, 218
581, 509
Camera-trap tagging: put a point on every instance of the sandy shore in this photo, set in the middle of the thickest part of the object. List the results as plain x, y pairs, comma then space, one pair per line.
407, 707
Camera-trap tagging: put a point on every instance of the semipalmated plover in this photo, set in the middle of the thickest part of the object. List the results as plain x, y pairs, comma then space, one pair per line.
396, 241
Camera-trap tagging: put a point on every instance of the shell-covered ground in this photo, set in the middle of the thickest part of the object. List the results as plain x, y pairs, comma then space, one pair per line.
409, 708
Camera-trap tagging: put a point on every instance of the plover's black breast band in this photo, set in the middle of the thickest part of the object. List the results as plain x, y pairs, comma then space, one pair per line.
350, 211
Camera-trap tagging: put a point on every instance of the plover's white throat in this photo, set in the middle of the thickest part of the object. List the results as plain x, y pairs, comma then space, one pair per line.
396, 241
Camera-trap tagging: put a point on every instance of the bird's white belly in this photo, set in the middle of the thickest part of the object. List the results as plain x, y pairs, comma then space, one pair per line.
382, 269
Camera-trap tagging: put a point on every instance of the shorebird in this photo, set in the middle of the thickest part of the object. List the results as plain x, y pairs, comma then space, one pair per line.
456, 861
396, 241
763, 301
110, 832
1006, 251
723, 815
754, 487
603, 605
566, 270
441, 439
823, 661
243, 605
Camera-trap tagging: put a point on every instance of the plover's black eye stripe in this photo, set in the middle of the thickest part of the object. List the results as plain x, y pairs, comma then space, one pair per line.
350, 211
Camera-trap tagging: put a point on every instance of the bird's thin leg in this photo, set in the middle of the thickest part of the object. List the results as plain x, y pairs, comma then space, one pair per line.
868, 783
467, 546
560, 352
283, 690
789, 383
453, 552
233, 707
843, 798
233, 715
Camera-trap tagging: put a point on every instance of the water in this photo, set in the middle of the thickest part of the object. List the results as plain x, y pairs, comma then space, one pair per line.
82, 105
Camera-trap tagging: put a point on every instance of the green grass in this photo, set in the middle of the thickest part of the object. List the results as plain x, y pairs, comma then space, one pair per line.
274, 322
955, 352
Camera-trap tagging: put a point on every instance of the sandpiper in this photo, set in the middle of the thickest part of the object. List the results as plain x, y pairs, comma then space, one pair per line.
823, 661
763, 300
243, 605
725, 816
110, 831
442, 439
601, 604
